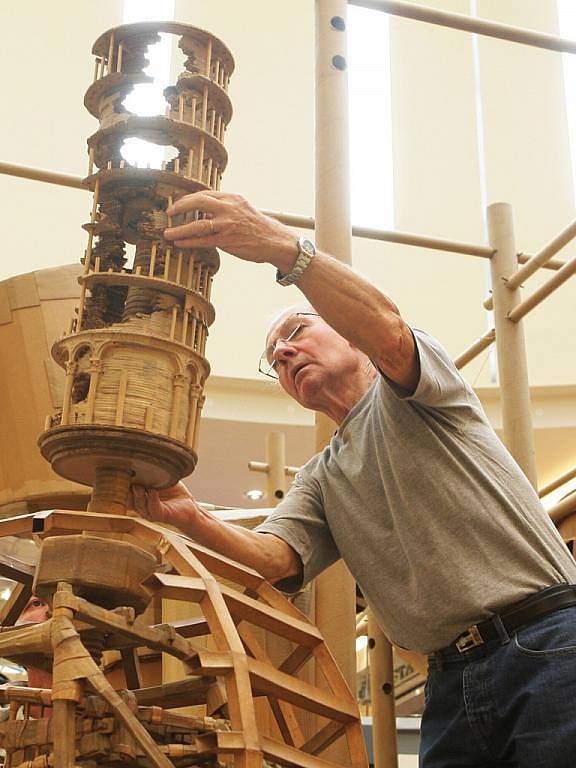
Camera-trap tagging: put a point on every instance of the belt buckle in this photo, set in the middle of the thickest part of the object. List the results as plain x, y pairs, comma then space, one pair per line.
471, 639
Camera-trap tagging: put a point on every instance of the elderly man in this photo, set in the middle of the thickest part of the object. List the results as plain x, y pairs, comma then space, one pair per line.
440, 528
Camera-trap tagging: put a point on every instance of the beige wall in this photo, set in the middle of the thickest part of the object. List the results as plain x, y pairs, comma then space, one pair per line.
437, 175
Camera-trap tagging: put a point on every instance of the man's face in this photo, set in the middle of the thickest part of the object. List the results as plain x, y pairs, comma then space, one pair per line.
36, 611
308, 356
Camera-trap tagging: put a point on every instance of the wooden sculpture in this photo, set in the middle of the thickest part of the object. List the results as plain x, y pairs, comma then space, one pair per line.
135, 370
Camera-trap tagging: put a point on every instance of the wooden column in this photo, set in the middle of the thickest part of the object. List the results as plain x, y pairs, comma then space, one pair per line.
381, 667
335, 593
512, 364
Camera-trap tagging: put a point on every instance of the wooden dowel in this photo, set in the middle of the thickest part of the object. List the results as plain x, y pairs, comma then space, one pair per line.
120, 52
204, 108
121, 398
212, 121
475, 349
184, 331
555, 484
38, 174
67, 397
200, 174
170, 204
194, 103
190, 271
193, 331
382, 696
177, 165
469, 24
153, 253
549, 250
209, 172
217, 71
541, 258
90, 161
544, 291
179, 267
190, 162
96, 68
564, 508
301, 222
208, 57
173, 322
91, 400
111, 54
167, 263
97, 264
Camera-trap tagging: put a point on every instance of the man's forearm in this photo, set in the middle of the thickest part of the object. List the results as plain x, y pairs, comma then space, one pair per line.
267, 554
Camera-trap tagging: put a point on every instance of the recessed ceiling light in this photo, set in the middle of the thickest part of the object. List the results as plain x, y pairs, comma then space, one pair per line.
254, 494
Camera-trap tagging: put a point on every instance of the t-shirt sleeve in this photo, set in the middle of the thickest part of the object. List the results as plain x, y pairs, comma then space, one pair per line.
300, 521
440, 384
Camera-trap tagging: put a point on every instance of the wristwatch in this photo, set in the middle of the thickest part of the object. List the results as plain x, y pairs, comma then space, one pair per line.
306, 252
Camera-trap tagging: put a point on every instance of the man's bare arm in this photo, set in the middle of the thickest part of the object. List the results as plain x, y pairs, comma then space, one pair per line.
266, 553
347, 301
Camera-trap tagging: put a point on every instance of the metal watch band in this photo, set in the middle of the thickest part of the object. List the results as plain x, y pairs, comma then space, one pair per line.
306, 252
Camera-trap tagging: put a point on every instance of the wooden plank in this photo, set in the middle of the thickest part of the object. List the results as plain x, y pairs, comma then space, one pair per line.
20, 525
282, 711
181, 693
242, 607
296, 660
227, 568
132, 667
324, 738
16, 570
162, 638
267, 680
15, 604
294, 758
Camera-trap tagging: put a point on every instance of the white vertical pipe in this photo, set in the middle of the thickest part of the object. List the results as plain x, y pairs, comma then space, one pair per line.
336, 619
510, 345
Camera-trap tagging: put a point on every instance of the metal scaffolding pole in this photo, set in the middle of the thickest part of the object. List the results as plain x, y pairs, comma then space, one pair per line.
470, 24
512, 364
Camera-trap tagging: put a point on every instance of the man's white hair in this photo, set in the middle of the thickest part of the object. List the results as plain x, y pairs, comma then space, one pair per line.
293, 309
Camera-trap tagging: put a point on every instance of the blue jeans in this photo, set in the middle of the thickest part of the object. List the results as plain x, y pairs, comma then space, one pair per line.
510, 705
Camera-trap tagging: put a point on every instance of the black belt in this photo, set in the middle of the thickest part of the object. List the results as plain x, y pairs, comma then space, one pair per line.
516, 616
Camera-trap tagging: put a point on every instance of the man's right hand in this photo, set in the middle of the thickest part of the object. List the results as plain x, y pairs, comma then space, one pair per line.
265, 552
173, 506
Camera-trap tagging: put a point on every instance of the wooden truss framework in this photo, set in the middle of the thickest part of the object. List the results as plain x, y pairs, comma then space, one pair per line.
227, 677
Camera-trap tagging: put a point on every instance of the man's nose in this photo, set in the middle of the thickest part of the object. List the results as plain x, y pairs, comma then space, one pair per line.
283, 349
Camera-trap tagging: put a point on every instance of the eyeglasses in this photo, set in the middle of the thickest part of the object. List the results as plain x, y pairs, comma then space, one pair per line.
269, 368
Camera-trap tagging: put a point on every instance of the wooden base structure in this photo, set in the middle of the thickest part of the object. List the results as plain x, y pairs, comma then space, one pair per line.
94, 722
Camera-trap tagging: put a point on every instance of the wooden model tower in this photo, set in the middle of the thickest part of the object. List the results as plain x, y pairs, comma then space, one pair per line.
135, 371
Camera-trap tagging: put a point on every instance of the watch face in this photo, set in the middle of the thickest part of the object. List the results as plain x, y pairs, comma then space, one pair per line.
307, 245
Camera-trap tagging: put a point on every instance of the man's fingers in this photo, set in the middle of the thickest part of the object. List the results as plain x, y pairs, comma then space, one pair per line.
208, 201
200, 228
198, 242
153, 504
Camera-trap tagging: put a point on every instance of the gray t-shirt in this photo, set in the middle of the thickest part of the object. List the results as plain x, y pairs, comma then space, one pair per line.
437, 523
